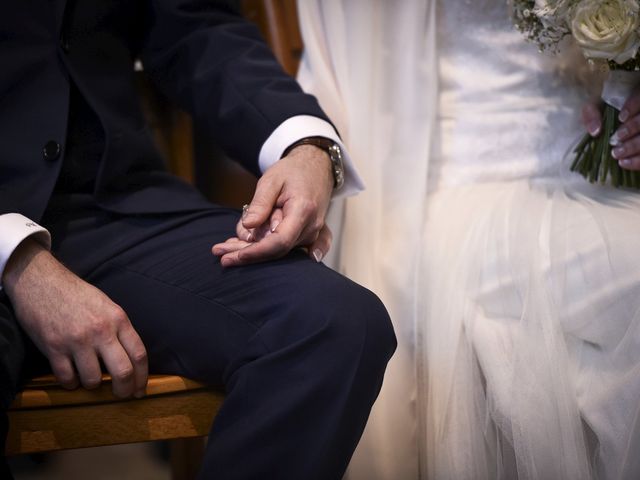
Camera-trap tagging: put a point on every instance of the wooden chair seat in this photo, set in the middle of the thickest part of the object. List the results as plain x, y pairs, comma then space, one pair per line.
45, 417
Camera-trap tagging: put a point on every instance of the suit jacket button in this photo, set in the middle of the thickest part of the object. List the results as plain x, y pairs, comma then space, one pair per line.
51, 150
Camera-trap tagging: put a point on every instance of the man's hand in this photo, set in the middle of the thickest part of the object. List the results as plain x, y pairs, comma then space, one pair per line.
626, 140
288, 210
73, 323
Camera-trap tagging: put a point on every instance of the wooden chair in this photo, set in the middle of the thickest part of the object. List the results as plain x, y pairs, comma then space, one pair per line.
45, 417
278, 22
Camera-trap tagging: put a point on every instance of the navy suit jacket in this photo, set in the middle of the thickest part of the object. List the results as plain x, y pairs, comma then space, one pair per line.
200, 53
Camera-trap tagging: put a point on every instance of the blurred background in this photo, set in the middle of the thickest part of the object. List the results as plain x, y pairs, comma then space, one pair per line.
140, 461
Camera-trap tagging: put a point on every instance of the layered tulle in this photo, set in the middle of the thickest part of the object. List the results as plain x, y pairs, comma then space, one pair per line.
531, 365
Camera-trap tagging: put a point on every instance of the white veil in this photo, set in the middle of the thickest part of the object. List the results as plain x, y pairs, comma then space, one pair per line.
372, 65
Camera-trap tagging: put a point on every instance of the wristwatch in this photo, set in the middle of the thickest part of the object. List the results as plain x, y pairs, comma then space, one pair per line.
333, 150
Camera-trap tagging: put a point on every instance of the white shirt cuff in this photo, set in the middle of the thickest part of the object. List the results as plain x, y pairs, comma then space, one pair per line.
302, 126
14, 228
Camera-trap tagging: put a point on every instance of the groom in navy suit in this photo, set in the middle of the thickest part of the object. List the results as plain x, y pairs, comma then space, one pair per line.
105, 258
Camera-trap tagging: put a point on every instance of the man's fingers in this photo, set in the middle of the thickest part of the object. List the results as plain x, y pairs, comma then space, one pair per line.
278, 244
268, 249
120, 368
228, 246
273, 246
263, 202
319, 249
134, 348
246, 237
88, 367
63, 370
592, 119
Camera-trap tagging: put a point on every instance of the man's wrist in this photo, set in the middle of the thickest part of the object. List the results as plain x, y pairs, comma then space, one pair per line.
14, 229
18, 262
333, 152
302, 126
320, 157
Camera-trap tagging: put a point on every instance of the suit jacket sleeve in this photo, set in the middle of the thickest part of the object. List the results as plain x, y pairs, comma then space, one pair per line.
215, 64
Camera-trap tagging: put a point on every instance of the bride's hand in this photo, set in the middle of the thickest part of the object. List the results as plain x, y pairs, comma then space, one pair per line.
626, 139
592, 119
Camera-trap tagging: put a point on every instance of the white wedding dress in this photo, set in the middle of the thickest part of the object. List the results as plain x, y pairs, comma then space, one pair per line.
531, 315
520, 297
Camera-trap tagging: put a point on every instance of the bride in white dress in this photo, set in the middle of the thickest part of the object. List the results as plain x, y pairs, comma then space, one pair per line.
514, 285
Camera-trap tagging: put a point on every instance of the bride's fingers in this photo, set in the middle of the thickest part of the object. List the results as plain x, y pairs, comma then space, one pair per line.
631, 107
276, 218
627, 149
244, 233
632, 163
630, 118
627, 130
322, 244
592, 119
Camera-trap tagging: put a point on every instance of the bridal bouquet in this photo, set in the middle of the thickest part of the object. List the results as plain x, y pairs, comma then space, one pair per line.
608, 32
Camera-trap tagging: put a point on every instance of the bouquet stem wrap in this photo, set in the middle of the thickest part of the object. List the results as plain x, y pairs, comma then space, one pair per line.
593, 154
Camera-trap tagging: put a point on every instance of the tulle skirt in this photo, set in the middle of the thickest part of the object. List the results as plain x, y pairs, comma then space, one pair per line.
530, 333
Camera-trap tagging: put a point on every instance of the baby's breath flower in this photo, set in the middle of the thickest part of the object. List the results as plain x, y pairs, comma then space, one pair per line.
541, 21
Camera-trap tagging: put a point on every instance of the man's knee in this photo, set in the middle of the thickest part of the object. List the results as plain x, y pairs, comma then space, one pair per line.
351, 322
372, 323
322, 322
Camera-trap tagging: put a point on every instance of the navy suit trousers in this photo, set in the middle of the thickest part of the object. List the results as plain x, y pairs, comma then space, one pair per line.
299, 349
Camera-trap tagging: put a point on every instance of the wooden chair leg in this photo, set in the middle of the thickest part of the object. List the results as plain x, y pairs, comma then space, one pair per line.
186, 457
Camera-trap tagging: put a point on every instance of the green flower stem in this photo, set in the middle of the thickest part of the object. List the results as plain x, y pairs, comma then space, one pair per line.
593, 158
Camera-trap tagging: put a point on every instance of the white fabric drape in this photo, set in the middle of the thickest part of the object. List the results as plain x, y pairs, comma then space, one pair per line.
513, 284
371, 63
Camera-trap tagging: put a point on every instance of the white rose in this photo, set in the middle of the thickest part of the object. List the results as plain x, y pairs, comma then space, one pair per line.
607, 29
